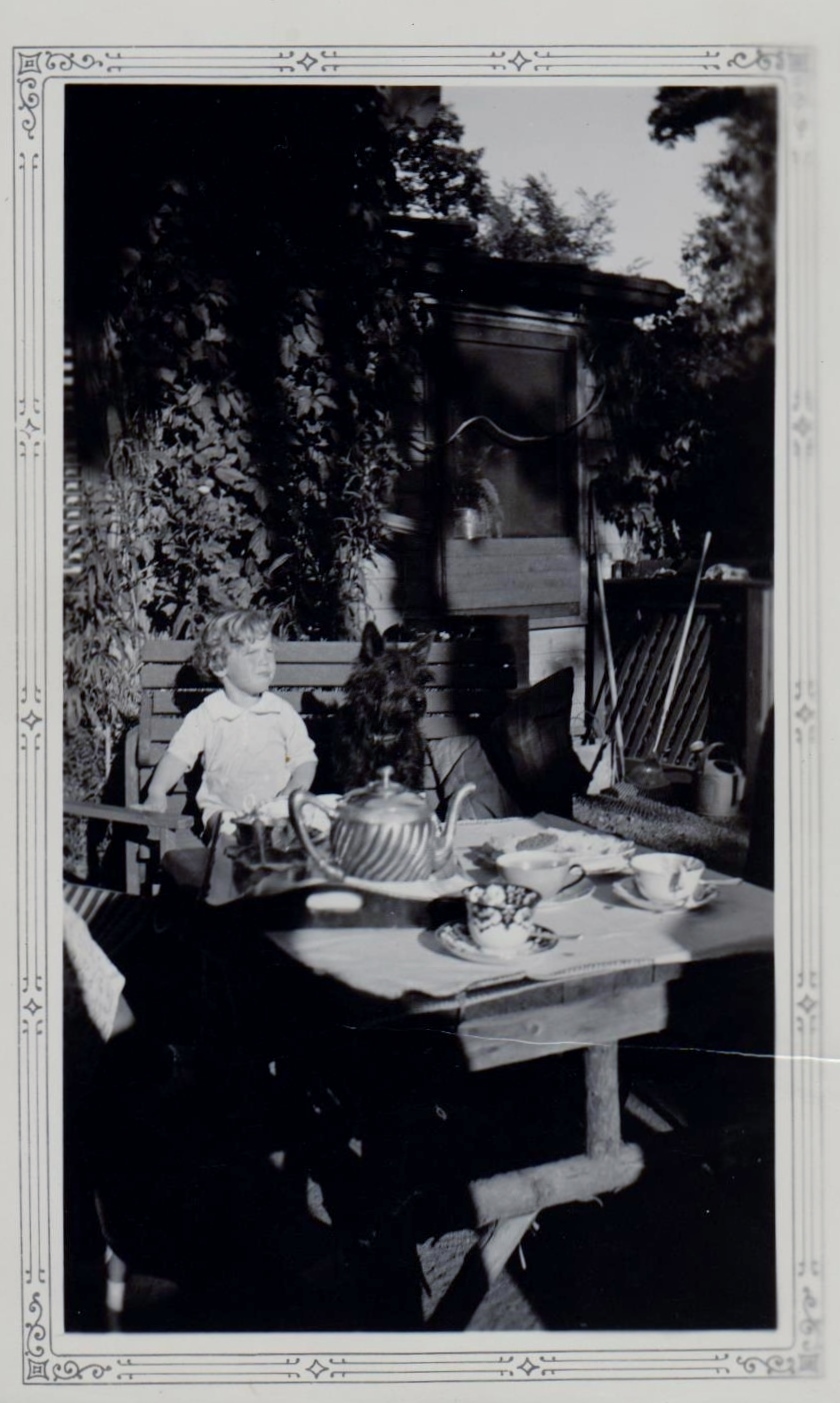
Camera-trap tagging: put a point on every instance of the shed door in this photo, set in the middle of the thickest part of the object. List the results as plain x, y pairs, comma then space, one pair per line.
515, 380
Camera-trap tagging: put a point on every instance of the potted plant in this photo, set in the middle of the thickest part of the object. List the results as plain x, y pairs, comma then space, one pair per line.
476, 507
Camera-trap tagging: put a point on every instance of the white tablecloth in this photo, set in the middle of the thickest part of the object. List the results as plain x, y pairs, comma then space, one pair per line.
390, 963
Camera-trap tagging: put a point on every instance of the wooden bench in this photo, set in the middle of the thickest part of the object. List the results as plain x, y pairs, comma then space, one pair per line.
474, 667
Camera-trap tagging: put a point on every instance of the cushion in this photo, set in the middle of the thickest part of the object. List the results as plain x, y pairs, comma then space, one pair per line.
456, 760
530, 747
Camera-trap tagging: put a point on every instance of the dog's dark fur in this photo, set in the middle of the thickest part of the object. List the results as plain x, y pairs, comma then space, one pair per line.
379, 721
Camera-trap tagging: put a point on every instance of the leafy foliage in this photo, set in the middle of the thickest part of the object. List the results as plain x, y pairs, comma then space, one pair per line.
107, 604
527, 222
257, 341
729, 260
341, 440
690, 394
658, 426
106, 619
436, 174
171, 530
186, 435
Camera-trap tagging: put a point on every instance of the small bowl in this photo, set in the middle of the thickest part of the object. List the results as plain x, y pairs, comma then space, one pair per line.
667, 878
500, 916
544, 870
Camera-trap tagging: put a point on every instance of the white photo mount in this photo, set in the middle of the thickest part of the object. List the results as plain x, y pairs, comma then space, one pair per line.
795, 1349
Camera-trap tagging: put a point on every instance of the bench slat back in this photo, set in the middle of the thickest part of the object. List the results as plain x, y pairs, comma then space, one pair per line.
471, 678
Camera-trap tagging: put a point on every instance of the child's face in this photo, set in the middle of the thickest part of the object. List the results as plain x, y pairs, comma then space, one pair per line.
249, 670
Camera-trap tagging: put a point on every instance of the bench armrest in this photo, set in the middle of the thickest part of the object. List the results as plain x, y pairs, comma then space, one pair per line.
136, 817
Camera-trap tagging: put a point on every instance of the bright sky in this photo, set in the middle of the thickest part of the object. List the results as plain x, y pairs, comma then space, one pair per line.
596, 138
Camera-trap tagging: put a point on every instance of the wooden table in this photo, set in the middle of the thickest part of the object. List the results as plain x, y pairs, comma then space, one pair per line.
613, 986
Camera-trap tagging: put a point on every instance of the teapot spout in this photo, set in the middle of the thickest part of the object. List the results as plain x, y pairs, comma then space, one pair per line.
447, 838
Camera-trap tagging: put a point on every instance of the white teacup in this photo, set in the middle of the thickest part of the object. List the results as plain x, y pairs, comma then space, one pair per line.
669, 879
500, 916
543, 871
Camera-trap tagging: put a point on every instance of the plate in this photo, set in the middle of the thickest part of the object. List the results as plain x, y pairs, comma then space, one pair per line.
455, 938
605, 866
599, 854
628, 892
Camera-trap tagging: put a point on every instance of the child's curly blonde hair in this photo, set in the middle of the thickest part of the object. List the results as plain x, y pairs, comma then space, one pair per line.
225, 632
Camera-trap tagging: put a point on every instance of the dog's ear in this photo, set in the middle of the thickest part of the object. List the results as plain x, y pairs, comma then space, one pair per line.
372, 644
421, 647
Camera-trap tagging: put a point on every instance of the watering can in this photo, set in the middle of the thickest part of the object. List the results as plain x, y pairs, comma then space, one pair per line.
718, 782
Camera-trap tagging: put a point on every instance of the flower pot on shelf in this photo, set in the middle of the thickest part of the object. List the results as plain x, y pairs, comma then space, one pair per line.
469, 524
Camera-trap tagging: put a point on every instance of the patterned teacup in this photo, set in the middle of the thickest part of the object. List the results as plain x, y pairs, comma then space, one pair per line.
500, 916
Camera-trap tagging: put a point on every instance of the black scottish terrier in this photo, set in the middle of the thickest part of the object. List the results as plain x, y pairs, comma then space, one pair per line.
378, 723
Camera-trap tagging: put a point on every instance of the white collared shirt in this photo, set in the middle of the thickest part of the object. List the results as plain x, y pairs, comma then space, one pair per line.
248, 753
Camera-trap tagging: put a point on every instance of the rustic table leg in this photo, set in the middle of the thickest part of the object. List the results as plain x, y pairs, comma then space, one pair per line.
479, 1269
603, 1108
608, 1164
509, 1202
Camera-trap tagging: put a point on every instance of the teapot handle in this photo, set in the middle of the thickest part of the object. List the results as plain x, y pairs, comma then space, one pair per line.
297, 799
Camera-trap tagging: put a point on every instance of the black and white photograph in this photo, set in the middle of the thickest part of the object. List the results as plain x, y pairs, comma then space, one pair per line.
447, 413
348, 389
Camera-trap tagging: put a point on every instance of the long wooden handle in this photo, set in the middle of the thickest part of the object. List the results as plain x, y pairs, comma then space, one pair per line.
672, 681
618, 730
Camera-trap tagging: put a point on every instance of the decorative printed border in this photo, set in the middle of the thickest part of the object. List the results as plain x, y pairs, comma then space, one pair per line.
792, 71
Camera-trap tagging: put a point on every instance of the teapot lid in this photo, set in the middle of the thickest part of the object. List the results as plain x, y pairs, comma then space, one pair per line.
385, 800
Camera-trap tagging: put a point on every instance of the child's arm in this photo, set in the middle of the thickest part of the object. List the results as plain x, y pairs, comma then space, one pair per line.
167, 773
301, 777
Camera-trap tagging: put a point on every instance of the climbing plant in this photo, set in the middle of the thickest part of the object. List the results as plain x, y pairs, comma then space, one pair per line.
171, 528
186, 417
257, 346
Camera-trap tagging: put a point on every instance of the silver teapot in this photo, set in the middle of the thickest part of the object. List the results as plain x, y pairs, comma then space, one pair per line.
382, 832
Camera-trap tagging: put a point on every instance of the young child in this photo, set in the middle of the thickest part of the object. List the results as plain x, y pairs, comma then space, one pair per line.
254, 746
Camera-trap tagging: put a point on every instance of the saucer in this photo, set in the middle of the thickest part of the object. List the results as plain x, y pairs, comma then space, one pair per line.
455, 938
629, 892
